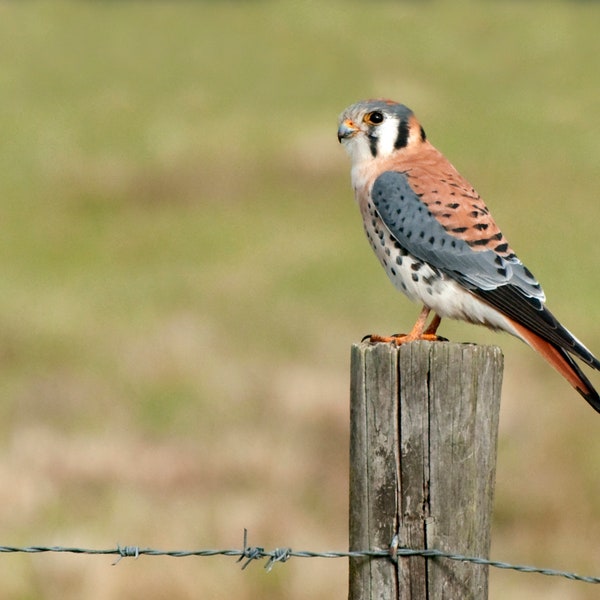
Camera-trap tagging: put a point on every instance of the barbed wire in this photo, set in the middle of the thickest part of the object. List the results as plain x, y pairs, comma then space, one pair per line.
248, 554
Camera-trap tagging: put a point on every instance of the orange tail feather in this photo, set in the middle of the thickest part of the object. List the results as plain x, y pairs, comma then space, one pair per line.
563, 363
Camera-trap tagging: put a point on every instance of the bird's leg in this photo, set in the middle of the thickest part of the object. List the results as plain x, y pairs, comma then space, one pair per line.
433, 326
418, 332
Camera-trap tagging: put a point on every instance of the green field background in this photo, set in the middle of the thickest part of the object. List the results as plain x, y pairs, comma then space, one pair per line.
183, 272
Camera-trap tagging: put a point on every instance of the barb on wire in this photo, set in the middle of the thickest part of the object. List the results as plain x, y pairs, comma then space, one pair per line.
126, 551
250, 553
278, 555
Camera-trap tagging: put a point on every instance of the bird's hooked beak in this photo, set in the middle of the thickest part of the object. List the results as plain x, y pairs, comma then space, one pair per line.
346, 130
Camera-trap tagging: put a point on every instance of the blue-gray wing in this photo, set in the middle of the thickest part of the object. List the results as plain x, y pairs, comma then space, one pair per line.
415, 228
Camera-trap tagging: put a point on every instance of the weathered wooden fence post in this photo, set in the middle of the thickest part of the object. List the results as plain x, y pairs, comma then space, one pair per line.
423, 432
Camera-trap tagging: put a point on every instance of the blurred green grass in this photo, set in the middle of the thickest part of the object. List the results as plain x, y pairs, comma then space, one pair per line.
184, 271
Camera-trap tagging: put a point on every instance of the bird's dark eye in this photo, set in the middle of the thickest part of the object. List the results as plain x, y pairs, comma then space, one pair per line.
374, 118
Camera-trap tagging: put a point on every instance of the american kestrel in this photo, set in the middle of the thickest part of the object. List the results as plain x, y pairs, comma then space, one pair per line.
439, 244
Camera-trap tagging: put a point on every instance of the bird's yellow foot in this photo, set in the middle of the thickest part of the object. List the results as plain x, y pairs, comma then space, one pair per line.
403, 338
418, 332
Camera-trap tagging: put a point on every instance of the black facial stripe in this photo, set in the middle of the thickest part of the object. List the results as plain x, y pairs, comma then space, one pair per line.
373, 145
402, 138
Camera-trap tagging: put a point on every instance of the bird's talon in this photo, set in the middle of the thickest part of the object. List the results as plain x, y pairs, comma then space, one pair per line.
432, 337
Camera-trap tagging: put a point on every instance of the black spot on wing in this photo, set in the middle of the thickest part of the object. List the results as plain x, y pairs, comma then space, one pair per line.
485, 241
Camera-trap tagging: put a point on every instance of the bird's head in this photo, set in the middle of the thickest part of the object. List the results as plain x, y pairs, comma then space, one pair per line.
378, 128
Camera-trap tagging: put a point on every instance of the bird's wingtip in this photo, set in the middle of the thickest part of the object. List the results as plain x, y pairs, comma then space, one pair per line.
592, 398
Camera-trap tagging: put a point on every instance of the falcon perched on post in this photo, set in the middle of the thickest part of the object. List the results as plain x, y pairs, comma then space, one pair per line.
439, 244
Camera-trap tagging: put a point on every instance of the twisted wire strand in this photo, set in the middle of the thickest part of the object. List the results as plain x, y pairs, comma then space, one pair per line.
248, 554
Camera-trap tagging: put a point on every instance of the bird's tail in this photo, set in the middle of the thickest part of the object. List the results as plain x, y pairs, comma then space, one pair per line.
563, 363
